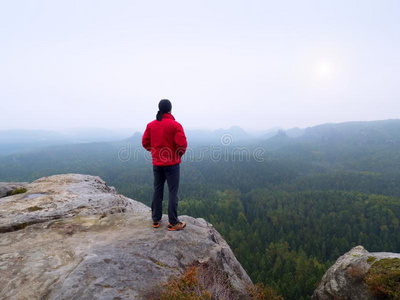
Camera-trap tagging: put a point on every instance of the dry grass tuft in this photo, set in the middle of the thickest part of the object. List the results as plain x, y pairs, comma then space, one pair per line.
207, 282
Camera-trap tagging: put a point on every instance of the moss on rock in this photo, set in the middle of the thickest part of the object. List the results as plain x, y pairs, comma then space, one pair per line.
18, 191
383, 278
371, 259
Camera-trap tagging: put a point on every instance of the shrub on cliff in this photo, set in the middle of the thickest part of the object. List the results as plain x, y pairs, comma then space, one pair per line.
207, 282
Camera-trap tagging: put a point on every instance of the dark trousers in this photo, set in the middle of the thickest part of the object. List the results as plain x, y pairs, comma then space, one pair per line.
171, 174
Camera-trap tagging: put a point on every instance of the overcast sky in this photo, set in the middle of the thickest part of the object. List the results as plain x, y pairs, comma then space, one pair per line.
256, 64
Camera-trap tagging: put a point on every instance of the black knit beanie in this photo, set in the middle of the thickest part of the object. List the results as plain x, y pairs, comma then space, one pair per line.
164, 106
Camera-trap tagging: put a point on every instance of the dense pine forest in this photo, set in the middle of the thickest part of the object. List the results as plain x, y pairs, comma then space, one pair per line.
288, 206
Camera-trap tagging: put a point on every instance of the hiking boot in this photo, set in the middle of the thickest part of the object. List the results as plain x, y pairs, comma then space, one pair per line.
156, 224
177, 226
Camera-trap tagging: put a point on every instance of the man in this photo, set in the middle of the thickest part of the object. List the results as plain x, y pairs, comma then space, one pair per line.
166, 140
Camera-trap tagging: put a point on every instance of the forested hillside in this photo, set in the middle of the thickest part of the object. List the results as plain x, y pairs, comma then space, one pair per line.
288, 206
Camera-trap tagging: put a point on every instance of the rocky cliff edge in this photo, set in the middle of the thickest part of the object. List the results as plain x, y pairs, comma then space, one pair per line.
74, 237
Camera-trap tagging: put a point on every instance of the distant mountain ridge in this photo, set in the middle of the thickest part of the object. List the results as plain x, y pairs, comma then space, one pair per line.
355, 132
21, 140
361, 132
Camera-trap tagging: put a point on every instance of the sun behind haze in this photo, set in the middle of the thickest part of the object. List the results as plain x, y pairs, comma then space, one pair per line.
256, 64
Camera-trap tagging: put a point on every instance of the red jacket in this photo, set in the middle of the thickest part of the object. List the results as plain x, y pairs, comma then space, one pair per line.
166, 140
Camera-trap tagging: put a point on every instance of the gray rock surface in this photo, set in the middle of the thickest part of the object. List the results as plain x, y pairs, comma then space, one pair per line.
345, 279
61, 196
97, 251
7, 187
